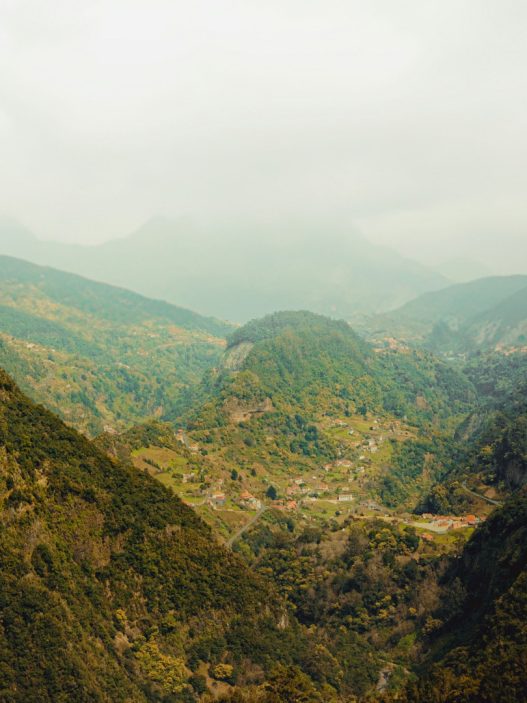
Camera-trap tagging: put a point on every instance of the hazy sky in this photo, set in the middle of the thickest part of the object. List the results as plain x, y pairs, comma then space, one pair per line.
407, 117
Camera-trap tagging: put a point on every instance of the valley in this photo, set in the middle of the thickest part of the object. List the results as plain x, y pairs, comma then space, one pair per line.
263, 352
343, 481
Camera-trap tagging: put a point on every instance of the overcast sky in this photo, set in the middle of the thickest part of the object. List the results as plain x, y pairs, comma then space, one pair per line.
407, 117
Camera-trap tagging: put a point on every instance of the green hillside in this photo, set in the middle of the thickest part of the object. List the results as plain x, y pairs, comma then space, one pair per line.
99, 356
492, 463
319, 364
300, 397
482, 314
113, 590
478, 645
318, 445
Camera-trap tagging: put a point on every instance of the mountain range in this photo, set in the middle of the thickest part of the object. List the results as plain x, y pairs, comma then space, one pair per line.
234, 276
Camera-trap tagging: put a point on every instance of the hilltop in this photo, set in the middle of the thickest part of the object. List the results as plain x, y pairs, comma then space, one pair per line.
100, 356
301, 407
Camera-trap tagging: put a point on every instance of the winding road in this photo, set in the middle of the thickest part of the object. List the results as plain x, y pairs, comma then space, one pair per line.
479, 495
236, 536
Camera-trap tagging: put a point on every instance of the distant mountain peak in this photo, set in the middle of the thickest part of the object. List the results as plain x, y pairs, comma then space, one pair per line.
13, 232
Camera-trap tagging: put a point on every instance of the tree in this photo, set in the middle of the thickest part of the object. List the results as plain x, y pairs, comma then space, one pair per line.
288, 684
271, 493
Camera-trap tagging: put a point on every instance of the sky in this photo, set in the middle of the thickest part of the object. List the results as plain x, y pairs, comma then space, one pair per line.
405, 118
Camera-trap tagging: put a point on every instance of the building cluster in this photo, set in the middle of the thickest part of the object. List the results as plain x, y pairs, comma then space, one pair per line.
450, 522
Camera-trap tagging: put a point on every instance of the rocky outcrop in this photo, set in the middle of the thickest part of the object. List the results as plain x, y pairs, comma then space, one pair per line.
240, 411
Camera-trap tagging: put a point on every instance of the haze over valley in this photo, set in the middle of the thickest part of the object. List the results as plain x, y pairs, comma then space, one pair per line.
263, 352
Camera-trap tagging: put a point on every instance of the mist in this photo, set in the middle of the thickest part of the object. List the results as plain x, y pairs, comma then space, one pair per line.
404, 120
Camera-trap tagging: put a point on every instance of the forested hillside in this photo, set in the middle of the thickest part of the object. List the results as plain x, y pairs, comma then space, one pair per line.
493, 438
112, 589
301, 407
478, 644
328, 443
99, 356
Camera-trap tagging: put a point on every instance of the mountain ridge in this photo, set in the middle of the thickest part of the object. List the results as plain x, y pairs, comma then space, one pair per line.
480, 314
237, 281
100, 356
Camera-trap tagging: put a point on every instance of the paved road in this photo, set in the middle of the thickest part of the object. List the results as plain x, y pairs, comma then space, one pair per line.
478, 495
236, 536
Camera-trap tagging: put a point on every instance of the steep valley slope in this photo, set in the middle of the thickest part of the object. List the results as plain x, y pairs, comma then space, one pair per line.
101, 357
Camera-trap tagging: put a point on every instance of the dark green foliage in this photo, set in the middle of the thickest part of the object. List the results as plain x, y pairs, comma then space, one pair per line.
91, 548
490, 445
271, 493
308, 365
479, 651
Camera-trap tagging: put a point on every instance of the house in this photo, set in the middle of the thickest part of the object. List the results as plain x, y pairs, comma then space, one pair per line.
471, 519
371, 505
443, 524
291, 505
245, 496
427, 537
345, 498
217, 499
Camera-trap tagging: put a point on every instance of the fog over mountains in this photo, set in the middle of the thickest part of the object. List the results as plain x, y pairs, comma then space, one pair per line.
241, 272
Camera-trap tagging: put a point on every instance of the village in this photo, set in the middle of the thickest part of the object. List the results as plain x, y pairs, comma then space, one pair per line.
338, 489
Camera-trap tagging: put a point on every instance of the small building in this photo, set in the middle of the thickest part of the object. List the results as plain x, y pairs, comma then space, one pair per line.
345, 498
218, 499
291, 505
